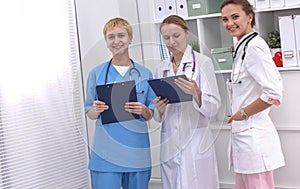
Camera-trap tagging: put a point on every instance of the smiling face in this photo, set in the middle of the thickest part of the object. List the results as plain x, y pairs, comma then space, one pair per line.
117, 40
235, 20
175, 38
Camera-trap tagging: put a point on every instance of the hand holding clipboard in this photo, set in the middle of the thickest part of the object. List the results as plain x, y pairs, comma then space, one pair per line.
167, 88
115, 95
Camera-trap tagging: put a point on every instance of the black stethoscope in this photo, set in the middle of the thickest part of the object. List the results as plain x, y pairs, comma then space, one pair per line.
185, 65
130, 75
247, 40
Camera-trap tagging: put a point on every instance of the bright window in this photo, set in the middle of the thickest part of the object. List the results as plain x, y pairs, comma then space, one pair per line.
42, 127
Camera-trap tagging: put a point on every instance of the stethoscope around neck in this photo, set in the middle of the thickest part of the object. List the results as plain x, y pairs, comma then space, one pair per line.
139, 91
185, 65
247, 40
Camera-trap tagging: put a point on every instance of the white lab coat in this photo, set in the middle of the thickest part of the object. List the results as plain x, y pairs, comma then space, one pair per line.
188, 157
255, 145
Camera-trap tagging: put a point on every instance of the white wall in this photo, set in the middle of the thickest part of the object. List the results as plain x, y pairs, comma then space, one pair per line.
91, 16
287, 120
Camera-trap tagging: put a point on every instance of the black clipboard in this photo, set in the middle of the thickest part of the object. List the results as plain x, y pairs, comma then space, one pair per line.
115, 95
167, 88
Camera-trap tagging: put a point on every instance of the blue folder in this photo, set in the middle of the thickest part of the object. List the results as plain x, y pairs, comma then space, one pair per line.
115, 95
167, 88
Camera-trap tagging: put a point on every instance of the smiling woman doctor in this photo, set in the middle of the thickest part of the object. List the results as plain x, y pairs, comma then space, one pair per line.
254, 87
187, 150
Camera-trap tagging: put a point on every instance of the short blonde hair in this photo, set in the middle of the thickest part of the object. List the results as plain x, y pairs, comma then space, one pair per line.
118, 22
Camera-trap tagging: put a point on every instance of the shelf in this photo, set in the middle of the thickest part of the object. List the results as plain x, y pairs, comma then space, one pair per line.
215, 15
281, 69
289, 69
222, 71
277, 9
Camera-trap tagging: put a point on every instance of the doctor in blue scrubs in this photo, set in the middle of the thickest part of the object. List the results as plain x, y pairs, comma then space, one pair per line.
120, 153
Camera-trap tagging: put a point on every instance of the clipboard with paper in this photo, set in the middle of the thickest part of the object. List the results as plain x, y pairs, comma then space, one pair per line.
167, 88
115, 95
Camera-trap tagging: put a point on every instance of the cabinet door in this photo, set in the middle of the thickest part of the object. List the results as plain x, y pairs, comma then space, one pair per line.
288, 46
170, 7
182, 9
276, 3
262, 4
159, 9
291, 2
297, 35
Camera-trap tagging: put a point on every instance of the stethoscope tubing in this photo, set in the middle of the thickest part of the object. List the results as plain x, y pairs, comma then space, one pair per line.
130, 74
229, 83
247, 40
194, 62
184, 65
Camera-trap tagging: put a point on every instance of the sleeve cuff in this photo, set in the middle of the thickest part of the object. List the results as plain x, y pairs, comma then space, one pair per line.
156, 115
270, 100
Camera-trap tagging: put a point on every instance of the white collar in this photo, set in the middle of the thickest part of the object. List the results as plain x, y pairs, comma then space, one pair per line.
187, 58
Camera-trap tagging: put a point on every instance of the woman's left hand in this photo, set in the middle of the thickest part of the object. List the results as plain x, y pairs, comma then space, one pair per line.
190, 86
235, 117
135, 107
139, 109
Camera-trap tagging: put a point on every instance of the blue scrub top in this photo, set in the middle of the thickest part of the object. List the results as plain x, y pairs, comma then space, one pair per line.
121, 146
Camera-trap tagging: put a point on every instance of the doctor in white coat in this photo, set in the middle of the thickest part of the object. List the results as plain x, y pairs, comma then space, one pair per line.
188, 159
255, 86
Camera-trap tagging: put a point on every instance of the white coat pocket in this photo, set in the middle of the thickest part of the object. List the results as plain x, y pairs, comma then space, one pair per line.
241, 126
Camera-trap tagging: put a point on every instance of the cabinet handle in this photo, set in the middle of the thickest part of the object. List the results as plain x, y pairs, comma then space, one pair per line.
196, 6
288, 54
222, 60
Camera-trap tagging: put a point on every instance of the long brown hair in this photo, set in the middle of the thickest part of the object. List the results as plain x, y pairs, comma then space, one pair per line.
174, 19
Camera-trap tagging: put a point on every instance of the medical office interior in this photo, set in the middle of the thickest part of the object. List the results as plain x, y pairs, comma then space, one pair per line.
44, 134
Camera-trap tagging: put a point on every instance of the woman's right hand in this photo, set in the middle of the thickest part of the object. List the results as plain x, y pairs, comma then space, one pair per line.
161, 104
99, 106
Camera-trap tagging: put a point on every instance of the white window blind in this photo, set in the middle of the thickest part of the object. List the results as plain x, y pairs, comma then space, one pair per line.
42, 127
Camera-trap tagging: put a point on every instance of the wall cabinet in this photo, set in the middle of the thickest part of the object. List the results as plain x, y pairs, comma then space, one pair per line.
209, 32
